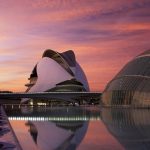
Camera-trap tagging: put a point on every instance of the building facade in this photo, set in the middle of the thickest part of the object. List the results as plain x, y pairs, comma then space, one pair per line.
131, 86
57, 72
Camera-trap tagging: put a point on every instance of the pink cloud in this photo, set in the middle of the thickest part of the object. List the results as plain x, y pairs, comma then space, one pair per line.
104, 36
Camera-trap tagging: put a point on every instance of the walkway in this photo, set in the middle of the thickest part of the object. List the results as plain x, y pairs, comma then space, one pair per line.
8, 140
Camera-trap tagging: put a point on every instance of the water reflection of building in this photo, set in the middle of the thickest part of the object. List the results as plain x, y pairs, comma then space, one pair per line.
131, 86
57, 135
60, 133
57, 72
129, 126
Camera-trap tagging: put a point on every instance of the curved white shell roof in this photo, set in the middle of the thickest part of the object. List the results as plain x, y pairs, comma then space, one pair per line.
51, 71
49, 74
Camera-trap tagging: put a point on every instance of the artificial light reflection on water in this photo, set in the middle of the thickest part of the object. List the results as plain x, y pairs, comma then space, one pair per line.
51, 128
81, 128
55, 118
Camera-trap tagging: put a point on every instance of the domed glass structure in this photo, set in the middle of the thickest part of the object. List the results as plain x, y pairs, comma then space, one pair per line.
131, 86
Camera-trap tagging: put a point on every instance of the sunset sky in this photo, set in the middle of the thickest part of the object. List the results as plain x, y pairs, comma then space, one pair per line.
104, 34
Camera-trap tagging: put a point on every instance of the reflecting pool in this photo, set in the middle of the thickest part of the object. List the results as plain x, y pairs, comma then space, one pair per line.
80, 128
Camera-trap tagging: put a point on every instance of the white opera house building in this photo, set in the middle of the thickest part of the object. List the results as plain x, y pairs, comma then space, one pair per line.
57, 72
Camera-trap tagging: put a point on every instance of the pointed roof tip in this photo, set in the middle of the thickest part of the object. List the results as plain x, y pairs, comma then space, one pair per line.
68, 52
69, 56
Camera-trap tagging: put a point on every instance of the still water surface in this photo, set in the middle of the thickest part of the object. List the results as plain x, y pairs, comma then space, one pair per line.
81, 128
